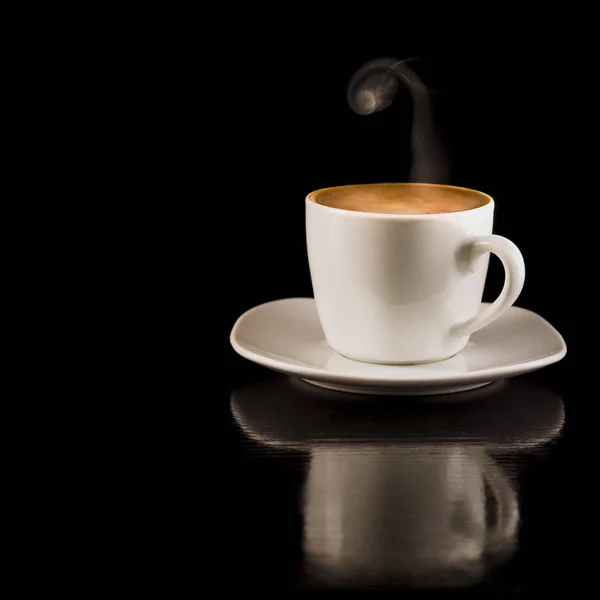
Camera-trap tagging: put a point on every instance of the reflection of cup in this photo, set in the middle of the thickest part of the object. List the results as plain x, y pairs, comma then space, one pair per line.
403, 492
418, 514
405, 288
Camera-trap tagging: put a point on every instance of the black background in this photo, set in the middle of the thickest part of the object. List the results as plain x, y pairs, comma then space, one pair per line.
193, 139
509, 102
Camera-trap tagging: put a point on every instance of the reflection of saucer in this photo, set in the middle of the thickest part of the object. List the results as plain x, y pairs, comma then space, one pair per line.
285, 411
286, 335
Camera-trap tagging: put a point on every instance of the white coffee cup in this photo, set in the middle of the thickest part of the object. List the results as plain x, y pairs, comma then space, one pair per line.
406, 288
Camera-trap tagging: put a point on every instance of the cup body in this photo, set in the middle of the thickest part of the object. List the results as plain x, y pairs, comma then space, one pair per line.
390, 287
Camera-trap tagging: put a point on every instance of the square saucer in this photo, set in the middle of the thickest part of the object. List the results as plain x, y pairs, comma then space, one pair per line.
286, 336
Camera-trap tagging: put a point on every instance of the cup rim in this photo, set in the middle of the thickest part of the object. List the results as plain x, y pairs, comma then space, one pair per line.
310, 197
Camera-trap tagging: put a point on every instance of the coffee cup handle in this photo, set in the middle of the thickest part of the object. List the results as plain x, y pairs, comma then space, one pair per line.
514, 278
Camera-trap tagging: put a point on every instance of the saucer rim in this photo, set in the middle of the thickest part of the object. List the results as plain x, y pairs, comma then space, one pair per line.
489, 374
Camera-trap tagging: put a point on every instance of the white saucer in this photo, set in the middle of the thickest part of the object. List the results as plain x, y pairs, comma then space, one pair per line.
286, 335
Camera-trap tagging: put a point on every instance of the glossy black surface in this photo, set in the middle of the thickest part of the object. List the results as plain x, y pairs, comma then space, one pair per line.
463, 493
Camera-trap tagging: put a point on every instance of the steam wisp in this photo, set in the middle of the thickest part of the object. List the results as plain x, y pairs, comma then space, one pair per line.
372, 89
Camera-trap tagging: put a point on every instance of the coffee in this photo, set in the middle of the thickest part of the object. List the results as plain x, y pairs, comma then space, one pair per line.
400, 198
